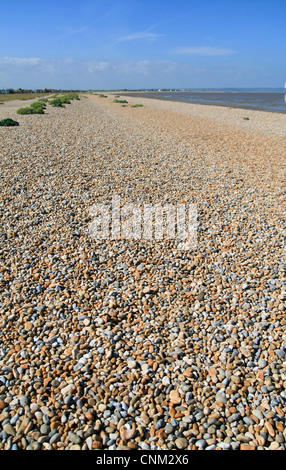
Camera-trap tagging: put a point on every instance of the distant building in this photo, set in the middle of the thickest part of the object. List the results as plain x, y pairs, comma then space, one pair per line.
5, 92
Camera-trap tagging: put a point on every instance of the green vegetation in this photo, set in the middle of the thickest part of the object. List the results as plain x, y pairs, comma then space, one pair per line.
21, 96
60, 101
73, 96
64, 99
38, 107
25, 111
102, 96
8, 122
120, 101
137, 105
57, 103
37, 111
246, 118
67, 97
35, 108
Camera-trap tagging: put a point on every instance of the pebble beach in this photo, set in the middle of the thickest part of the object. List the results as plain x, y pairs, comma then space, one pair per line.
132, 344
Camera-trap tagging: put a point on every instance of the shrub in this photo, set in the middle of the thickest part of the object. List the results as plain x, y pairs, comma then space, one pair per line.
72, 96
8, 122
137, 105
65, 99
25, 111
37, 111
102, 96
57, 102
35, 108
39, 103
38, 107
120, 101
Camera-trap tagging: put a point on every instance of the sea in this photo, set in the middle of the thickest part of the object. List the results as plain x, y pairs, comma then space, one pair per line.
271, 100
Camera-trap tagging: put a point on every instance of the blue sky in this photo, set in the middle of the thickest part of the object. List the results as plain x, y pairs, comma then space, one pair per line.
135, 44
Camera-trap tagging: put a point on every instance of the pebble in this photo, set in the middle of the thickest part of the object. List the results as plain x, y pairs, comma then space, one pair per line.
201, 443
131, 343
262, 363
181, 443
73, 438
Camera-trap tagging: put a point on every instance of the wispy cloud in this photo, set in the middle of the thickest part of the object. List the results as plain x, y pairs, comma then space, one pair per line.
70, 31
33, 72
92, 67
20, 61
203, 51
73, 30
140, 35
130, 67
28, 67
145, 35
95, 66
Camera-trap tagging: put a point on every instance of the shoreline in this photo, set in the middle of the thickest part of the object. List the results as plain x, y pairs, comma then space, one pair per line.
259, 121
243, 107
